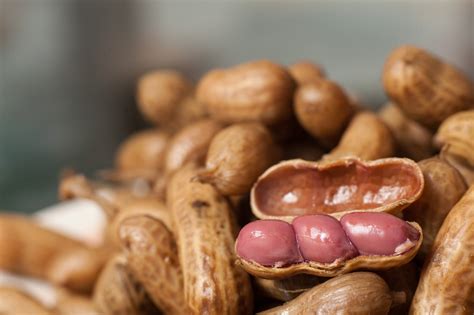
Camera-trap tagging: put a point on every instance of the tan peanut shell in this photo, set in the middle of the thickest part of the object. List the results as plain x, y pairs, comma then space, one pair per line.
142, 153
444, 186
305, 71
288, 288
455, 136
447, 280
15, 302
323, 109
357, 293
297, 187
117, 292
206, 232
366, 137
426, 88
165, 97
28, 249
259, 91
237, 156
335, 268
413, 140
190, 144
74, 304
152, 258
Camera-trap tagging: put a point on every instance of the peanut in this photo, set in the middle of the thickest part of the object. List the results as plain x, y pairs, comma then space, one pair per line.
259, 91
305, 72
205, 230
286, 289
237, 156
14, 302
323, 109
426, 88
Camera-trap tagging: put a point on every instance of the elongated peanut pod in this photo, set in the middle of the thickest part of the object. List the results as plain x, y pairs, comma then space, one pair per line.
237, 156
152, 257
357, 293
444, 186
447, 279
366, 137
190, 144
13, 302
31, 250
286, 289
205, 230
324, 110
74, 304
426, 88
305, 71
117, 292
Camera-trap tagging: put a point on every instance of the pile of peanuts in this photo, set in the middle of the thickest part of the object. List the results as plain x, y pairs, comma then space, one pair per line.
266, 188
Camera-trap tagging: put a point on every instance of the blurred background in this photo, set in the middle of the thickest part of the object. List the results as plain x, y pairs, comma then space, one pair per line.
68, 68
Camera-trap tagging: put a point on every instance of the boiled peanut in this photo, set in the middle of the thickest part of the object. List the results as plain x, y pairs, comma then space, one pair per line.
259, 91
305, 72
117, 292
190, 144
443, 188
205, 230
323, 109
413, 140
237, 156
426, 88
14, 302
31, 250
357, 293
366, 137
447, 280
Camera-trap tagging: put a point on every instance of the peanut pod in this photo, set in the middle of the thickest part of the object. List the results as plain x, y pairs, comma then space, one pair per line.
152, 257
447, 280
305, 72
322, 246
237, 156
366, 137
14, 302
288, 288
259, 91
357, 293
31, 250
205, 230
298, 187
426, 88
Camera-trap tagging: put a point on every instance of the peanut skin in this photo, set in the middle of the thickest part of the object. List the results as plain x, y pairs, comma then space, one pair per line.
258, 91
237, 156
152, 257
426, 88
31, 250
366, 137
447, 280
206, 231
323, 109
444, 186
305, 72
13, 302
355, 293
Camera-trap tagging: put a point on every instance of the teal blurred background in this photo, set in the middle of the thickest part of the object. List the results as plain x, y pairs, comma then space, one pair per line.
68, 68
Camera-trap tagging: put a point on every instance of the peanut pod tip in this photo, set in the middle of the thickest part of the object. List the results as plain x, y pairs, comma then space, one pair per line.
323, 246
298, 187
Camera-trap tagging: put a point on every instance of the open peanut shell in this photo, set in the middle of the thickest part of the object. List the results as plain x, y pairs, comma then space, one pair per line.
297, 187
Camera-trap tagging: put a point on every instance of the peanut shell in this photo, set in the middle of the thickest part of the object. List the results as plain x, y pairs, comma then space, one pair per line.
305, 72
288, 288
14, 302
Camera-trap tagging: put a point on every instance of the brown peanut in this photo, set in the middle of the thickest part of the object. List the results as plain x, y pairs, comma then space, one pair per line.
259, 91
305, 72
286, 289
237, 156
152, 257
443, 188
426, 88
117, 292
14, 302
447, 280
323, 109
206, 231
455, 136
366, 137
413, 140
190, 144
165, 97
31, 250
357, 293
